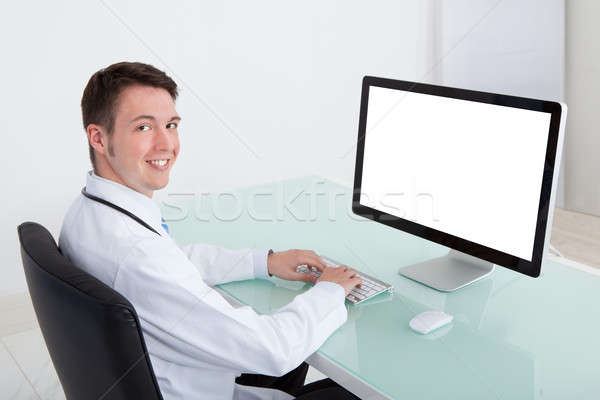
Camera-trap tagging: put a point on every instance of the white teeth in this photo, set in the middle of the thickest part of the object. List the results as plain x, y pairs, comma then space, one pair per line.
160, 163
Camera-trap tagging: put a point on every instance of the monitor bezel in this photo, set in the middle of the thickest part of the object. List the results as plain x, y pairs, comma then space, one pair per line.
531, 268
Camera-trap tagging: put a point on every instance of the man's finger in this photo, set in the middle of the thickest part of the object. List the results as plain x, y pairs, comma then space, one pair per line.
314, 262
319, 264
305, 277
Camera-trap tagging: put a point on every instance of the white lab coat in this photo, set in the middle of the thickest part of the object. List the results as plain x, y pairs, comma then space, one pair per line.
198, 343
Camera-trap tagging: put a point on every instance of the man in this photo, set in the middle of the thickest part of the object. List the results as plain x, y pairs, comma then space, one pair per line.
198, 343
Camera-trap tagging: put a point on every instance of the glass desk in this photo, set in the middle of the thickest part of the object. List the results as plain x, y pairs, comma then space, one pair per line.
513, 337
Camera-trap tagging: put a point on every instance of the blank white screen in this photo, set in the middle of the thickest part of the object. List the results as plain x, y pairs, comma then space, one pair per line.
472, 170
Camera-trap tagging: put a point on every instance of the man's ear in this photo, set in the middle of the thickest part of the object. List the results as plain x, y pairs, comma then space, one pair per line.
97, 138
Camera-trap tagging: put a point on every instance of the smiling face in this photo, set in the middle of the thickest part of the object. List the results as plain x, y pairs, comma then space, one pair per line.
144, 143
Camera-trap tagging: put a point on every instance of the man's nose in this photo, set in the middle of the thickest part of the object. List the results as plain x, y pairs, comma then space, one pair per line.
164, 140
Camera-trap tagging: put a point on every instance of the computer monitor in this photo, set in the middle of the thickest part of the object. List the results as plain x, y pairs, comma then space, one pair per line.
472, 171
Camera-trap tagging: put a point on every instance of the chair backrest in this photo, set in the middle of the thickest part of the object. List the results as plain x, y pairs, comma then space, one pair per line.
92, 333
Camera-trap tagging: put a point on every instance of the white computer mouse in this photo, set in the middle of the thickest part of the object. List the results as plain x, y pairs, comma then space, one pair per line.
429, 321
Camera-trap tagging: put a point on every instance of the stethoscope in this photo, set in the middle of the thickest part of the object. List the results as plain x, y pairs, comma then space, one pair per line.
119, 209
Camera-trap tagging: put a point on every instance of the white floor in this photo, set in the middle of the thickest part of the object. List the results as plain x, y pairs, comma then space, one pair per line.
577, 236
27, 371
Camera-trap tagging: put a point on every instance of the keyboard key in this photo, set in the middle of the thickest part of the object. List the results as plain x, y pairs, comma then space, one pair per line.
369, 287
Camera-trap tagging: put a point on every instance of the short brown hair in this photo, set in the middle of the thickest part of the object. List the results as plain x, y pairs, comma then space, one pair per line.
102, 92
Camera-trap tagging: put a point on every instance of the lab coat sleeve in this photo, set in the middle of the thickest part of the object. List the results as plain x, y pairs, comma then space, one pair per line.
218, 265
187, 322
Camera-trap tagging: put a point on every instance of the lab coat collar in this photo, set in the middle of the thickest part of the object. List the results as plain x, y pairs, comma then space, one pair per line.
136, 203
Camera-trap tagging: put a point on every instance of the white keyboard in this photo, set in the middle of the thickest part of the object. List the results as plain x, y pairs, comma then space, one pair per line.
370, 286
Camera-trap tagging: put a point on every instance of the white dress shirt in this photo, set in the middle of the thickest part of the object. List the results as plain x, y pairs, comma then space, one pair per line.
198, 343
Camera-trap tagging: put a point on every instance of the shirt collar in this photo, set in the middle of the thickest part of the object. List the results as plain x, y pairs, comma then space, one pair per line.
136, 203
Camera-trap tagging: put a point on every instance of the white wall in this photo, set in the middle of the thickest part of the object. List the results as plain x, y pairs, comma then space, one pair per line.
583, 96
505, 46
269, 89
508, 46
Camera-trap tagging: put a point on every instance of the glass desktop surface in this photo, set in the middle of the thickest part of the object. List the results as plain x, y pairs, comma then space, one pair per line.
513, 337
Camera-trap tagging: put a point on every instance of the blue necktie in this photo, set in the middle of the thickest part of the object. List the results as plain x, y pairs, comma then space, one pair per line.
165, 226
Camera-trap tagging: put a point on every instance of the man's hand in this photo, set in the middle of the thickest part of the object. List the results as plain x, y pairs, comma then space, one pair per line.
283, 264
343, 276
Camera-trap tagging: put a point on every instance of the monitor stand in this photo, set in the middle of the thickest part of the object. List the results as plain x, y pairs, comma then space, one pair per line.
450, 272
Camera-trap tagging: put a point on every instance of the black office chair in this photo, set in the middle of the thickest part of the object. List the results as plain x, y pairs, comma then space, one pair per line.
92, 332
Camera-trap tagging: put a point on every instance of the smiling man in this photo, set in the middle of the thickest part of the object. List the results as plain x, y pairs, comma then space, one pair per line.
150, 146
199, 345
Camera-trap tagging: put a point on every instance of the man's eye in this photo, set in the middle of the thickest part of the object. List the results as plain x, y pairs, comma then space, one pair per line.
171, 125
143, 128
